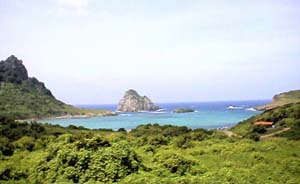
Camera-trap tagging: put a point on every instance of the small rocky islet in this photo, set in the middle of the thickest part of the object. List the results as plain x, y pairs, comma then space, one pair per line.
183, 110
133, 102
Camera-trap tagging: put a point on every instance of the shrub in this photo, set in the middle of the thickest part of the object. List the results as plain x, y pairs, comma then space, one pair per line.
96, 163
199, 134
253, 136
183, 141
93, 143
25, 143
175, 163
6, 147
157, 140
259, 129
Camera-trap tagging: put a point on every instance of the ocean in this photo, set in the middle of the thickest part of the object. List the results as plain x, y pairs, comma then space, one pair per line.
208, 115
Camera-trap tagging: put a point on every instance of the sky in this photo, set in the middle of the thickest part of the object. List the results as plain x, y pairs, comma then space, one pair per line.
92, 51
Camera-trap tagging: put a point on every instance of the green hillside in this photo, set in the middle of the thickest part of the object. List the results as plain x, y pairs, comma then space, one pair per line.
283, 116
24, 97
282, 99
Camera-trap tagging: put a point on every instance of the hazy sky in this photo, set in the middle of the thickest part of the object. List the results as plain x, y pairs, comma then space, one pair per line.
92, 51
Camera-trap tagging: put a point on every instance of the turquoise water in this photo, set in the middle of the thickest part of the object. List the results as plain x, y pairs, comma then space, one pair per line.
208, 115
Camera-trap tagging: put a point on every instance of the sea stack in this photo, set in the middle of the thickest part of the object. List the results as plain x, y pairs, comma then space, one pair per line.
133, 102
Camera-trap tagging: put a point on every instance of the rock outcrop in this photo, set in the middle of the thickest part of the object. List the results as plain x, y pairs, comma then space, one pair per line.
12, 70
133, 102
282, 99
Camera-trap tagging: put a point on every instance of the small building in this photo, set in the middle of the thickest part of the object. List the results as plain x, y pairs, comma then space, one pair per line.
264, 123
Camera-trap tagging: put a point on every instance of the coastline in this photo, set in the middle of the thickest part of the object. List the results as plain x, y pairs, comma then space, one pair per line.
71, 116
209, 116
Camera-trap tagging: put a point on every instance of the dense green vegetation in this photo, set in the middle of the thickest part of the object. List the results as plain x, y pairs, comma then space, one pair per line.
43, 153
282, 117
25, 97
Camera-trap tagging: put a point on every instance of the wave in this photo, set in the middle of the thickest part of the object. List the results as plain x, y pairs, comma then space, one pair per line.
157, 112
232, 107
251, 109
124, 114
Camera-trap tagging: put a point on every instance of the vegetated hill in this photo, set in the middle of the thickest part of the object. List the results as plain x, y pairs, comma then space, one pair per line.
282, 99
25, 97
282, 117
148, 154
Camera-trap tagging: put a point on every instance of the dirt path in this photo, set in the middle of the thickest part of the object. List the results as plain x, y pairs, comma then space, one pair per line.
272, 134
231, 134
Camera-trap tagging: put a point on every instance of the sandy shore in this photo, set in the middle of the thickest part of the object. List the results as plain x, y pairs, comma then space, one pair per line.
71, 116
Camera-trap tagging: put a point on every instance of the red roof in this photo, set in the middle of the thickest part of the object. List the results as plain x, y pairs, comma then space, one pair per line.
263, 123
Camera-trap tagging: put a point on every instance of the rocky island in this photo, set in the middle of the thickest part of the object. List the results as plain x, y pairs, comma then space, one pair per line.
133, 102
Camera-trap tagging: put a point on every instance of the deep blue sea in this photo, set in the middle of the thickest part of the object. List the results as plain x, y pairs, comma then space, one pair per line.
208, 115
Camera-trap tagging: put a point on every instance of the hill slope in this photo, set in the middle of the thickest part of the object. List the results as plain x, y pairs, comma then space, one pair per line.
283, 117
282, 99
25, 97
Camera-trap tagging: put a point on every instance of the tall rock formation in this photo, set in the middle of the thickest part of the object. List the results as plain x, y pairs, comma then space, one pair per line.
133, 102
12, 70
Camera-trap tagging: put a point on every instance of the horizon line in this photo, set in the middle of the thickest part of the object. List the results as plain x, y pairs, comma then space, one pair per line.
185, 102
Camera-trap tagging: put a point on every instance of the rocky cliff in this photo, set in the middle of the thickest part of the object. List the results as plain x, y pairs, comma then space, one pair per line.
12, 70
133, 102
282, 99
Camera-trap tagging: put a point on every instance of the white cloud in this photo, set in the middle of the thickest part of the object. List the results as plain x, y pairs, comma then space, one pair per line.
79, 7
